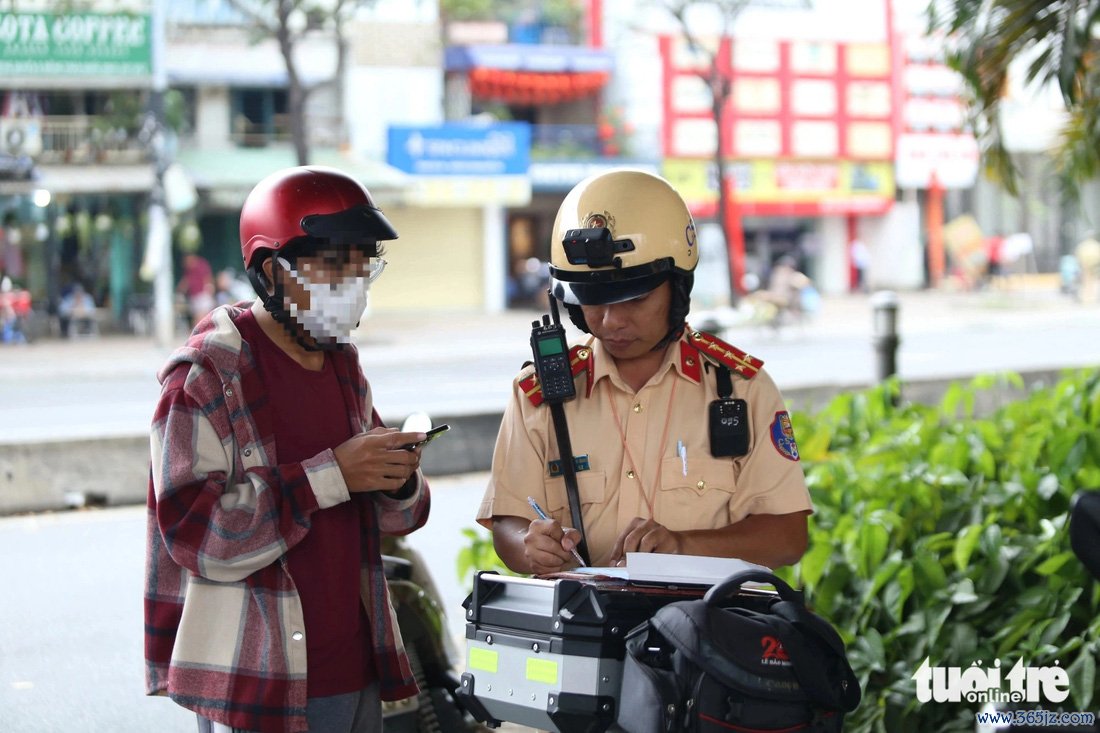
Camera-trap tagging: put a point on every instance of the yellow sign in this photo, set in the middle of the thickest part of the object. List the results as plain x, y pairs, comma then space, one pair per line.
542, 670
483, 659
829, 182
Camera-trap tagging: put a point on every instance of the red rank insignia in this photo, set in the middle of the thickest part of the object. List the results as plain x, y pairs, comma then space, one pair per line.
730, 356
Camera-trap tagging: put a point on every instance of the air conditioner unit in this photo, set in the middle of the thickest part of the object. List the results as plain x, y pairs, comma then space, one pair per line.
20, 136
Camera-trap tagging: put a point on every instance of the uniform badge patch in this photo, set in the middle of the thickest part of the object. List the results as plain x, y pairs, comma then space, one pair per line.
783, 436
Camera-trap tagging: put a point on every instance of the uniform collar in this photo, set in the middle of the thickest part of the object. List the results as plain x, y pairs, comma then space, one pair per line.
680, 356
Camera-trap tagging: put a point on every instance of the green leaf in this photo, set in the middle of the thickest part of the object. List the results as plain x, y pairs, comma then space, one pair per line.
964, 592
898, 593
1082, 678
1048, 486
929, 574
1052, 565
1055, 629
873, 541
813, 563
964, 546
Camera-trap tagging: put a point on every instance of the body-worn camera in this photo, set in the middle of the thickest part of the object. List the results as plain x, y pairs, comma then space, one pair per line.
594, 247
729, 427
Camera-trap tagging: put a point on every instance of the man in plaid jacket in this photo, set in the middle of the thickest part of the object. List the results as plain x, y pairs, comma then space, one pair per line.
273, 479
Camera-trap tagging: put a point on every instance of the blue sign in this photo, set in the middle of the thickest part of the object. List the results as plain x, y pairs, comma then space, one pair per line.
500, 149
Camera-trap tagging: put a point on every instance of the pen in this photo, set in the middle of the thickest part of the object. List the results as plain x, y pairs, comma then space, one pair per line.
682, 451
542, 515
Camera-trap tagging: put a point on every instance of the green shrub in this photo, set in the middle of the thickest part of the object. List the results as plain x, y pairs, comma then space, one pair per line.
941, 534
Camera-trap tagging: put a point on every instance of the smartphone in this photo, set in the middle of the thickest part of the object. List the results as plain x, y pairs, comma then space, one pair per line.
431, 436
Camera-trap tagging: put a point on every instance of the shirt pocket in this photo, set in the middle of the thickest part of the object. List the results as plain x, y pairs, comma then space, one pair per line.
699, 500
591, 486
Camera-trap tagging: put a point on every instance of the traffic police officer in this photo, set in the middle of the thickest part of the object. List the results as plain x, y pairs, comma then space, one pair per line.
651, 477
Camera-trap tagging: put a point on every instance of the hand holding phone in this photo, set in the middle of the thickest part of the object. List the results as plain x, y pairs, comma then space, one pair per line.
431, 436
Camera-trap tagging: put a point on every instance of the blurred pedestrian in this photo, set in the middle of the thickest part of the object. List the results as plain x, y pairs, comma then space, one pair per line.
785, 285
273, 480
861, 258
994, 258
230, 288
197, 284
1088, 258
76, 312
15, 305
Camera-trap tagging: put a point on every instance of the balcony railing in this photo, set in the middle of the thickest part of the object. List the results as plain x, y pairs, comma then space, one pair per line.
565, 141
83, 140
584, 142
324, 131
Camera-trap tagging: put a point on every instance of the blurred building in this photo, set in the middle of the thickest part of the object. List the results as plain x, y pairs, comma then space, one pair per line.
74, 173
469, 129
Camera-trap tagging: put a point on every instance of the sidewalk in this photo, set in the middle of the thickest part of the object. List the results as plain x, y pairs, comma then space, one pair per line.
412, 338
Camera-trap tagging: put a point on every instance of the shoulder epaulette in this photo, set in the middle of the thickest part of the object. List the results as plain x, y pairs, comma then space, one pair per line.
580, 358
729, 356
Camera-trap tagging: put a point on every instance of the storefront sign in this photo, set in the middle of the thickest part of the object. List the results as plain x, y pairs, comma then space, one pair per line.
799, 188
461, 150
76, 44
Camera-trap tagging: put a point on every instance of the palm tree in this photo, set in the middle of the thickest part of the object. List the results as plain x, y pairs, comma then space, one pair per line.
1056, 42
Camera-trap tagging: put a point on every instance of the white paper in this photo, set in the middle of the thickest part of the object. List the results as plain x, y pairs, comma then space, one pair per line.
696, 569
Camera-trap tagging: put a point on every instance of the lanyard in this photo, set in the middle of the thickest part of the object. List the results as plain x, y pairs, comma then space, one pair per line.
637, 467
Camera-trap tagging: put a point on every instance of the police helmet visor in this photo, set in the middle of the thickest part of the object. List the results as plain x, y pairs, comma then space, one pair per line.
604, 287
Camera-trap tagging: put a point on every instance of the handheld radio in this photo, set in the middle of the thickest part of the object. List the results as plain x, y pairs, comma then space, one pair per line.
551, 352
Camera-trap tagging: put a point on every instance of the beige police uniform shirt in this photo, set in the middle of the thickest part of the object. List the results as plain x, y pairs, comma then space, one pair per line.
715, 492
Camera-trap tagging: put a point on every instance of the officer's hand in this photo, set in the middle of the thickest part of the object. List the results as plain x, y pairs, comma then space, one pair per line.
544, 546
376, 460
644, 535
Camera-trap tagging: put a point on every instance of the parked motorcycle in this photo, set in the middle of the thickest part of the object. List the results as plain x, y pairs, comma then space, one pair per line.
423, 624
431, 651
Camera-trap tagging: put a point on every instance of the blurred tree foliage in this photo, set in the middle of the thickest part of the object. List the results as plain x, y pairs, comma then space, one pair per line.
562, 13
287, 21
1056, 43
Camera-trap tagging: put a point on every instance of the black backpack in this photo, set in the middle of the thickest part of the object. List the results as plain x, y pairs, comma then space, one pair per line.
725, 663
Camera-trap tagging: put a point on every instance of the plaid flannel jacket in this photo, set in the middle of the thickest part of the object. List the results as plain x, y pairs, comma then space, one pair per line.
224, 633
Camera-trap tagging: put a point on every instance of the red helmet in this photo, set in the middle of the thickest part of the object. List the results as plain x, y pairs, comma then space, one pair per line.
311, 201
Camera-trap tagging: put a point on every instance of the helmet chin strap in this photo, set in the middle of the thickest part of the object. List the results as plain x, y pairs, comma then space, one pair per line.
273, 304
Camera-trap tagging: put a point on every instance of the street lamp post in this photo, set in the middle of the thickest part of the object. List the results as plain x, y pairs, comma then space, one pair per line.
159, 245
884, 305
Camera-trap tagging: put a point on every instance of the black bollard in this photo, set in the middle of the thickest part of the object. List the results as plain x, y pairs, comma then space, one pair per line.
884, 305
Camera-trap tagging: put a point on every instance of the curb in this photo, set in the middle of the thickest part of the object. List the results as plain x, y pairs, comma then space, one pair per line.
58, 475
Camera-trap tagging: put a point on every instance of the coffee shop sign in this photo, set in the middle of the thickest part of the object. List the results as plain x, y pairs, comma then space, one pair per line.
35, 45
40, 29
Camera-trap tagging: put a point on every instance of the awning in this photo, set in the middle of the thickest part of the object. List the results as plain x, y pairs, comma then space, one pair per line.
95, 178
531, 87
231, 173
259, 65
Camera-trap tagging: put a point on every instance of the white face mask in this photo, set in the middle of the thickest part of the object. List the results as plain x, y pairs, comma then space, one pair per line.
334, 309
